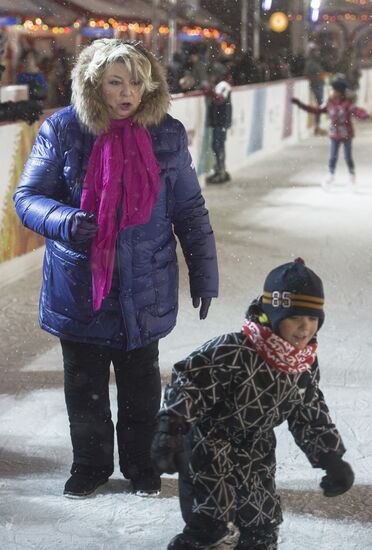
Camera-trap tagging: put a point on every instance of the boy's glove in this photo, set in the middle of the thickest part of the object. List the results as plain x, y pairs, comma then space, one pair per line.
83, 227
167, 449
339, 475
295, 100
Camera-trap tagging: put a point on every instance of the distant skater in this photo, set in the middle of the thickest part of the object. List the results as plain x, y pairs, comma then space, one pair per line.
340, 110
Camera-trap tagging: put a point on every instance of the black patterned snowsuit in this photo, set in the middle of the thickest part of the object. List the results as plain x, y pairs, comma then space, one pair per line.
234, 400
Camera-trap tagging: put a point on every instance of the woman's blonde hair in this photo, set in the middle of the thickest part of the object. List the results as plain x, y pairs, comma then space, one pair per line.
87, 79
105, 52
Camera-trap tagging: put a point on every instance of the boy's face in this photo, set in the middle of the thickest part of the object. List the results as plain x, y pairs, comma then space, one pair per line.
298, 330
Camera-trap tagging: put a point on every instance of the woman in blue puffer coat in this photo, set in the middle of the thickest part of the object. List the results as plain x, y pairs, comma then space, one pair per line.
109, 183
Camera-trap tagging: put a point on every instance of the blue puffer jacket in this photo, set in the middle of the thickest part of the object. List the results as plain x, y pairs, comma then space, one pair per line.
143, 302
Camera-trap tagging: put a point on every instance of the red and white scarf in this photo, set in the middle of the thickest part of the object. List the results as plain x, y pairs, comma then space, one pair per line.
279, 353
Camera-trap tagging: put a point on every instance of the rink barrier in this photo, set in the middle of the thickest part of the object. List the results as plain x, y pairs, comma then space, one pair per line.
264, 121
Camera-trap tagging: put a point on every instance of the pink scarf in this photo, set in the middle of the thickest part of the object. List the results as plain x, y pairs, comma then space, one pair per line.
123, 177
279, 353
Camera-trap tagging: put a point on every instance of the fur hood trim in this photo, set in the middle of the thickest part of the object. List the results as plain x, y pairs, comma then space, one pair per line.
91, 109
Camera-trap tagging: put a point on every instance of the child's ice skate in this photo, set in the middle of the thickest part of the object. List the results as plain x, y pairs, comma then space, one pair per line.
329, 182
352, 184
185, 541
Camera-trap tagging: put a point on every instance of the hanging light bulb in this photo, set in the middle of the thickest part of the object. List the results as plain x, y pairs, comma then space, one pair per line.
314, 10
266, 5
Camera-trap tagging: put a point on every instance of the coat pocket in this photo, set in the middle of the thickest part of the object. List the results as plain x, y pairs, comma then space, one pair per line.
69, 288
165, 277
152, 325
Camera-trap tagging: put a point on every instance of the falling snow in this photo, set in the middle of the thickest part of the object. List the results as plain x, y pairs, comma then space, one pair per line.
271, 212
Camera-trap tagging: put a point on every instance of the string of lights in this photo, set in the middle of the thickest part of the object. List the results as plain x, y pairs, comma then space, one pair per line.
111, 25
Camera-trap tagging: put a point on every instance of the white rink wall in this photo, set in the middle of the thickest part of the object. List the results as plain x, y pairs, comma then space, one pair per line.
264, 120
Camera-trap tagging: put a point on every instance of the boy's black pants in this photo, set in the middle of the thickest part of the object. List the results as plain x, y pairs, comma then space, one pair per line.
86, 375
207, 530
257, 506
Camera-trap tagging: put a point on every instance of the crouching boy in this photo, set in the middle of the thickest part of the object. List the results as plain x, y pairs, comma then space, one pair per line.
216, 426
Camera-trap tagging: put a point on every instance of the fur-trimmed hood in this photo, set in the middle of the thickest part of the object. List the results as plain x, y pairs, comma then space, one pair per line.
91, 109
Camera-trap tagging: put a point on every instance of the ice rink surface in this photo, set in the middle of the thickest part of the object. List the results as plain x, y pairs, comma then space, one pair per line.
271, 212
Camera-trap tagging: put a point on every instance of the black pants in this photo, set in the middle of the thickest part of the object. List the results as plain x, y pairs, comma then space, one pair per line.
318, 91
218, 147
87, 373
258, 518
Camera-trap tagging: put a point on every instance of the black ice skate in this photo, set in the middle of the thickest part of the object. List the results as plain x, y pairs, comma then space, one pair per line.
219, 177
185, 541
82, 485
146, 484
85, 480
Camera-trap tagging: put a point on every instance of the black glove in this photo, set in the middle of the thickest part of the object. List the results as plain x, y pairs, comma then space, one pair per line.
339, 475
295, 100
29, 111
167, 450
83, 227
205, 303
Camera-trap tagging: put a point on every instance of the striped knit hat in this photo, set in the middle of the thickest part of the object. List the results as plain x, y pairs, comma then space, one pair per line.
292, 289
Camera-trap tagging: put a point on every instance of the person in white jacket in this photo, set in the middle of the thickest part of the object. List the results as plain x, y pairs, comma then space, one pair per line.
219, 116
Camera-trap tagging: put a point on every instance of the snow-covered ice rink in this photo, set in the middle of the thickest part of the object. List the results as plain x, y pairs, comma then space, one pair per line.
273, 211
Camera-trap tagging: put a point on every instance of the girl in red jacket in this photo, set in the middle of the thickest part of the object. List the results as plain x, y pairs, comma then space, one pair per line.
340, 111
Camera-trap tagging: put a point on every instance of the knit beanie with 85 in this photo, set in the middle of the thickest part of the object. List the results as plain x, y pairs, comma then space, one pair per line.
292, 289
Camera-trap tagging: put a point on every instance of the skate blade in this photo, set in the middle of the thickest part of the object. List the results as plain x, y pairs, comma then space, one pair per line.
147, 494
80, 497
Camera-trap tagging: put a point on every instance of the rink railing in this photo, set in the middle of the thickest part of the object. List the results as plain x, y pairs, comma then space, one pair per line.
264, 121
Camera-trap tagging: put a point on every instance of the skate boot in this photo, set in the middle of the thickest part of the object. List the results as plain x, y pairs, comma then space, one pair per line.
146, 484
330, 179
352, 182
219, 177
84, 481
262, 538
211, 178
189, 541
329, 182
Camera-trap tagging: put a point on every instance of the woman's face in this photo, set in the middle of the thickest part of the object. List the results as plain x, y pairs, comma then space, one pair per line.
298, 330
120, 91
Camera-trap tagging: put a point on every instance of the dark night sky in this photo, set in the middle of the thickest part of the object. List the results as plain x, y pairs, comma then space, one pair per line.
228, 11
